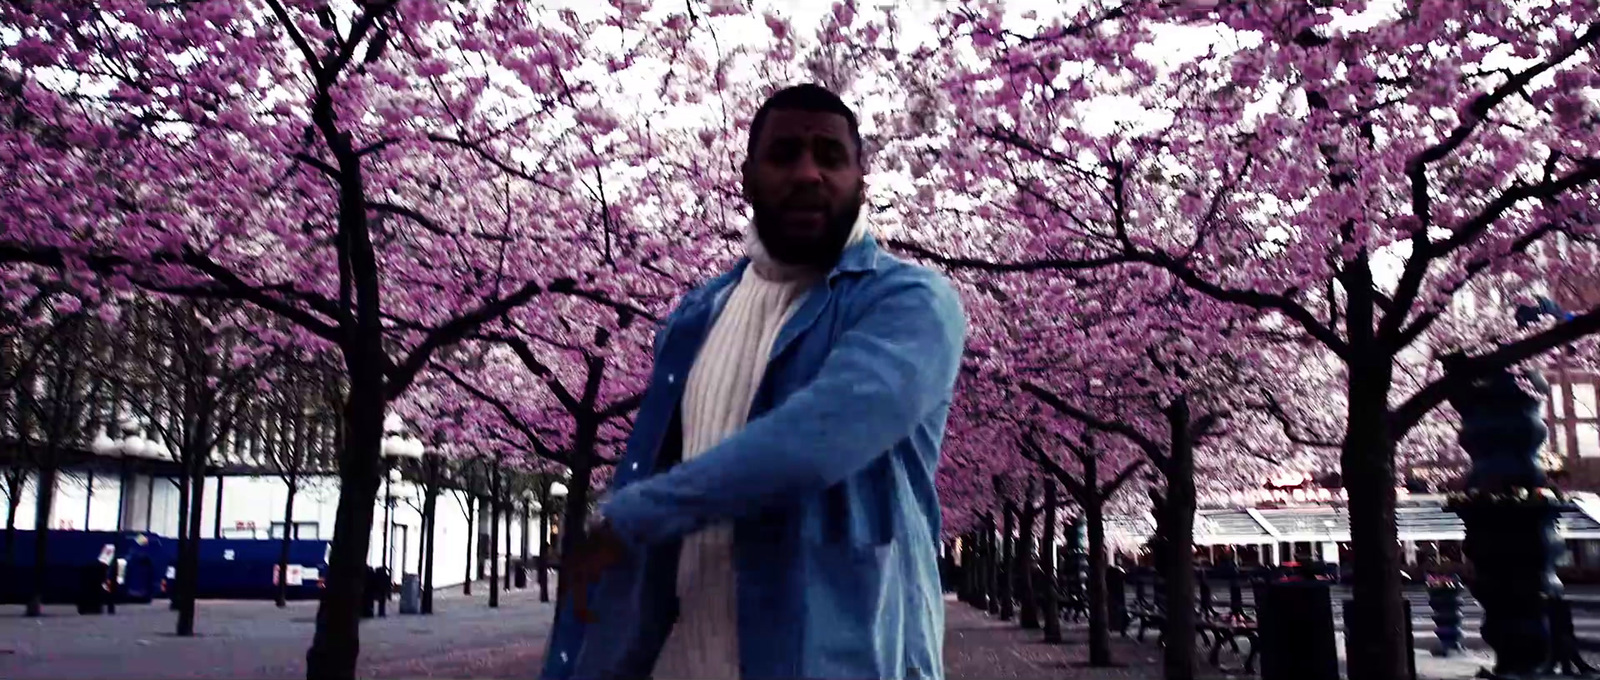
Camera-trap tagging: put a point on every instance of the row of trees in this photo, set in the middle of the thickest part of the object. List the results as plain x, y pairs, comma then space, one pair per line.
181, 376
1177, 264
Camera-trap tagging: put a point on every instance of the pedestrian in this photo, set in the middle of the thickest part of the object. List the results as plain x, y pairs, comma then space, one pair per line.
774, 515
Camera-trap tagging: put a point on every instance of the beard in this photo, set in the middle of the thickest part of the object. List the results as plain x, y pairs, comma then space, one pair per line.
820, 251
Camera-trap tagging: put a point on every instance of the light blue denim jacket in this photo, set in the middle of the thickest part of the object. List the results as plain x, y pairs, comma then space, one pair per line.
830, 487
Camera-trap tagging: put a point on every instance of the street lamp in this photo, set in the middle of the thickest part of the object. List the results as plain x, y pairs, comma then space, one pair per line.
395, 446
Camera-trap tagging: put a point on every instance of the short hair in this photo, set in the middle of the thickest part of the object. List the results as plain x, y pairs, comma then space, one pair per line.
808, 97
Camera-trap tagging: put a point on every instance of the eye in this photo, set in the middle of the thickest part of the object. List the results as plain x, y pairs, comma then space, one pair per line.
830, 153
783, 151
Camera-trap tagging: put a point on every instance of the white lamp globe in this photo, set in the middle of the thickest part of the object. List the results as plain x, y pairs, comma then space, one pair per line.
558, 490
104, 445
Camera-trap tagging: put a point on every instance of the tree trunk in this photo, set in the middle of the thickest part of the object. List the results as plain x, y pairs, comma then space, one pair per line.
1377, 647
283, 551
1051, 607
1099, 611
576, 507
189, 561
430, 507
15, 480
991, 566
544, 549
44, 498
527, 533
337, 643
174, 600
1178, 558
494, 536
1029, 608
1008, 563
508, 510
472, 530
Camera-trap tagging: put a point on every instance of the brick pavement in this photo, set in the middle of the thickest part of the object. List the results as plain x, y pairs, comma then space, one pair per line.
978, 647
466, 639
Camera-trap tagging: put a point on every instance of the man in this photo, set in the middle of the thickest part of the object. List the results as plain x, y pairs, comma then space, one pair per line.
775, 514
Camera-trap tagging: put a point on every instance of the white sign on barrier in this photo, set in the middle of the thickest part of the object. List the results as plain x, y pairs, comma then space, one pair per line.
296, 575
108, 552
309, 574
227, 555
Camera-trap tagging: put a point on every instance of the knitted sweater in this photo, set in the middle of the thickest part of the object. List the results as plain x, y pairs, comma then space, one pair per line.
704, 643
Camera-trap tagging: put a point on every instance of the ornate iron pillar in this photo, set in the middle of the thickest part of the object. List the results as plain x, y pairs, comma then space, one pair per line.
1510, 516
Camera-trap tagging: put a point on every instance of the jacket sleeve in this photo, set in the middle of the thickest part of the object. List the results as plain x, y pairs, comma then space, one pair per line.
891, 369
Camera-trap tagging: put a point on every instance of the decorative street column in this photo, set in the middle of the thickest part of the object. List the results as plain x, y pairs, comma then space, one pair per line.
1510, 516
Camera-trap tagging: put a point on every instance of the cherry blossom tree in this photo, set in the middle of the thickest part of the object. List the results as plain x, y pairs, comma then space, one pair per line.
1345, 171
388, 176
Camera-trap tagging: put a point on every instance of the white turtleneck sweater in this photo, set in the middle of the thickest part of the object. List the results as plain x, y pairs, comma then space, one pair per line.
704, 643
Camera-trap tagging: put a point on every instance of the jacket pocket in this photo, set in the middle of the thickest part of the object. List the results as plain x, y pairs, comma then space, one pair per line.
853, 608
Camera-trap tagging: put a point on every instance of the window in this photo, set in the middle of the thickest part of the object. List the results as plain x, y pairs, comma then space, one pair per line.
1587, 442
302, 530
1583, 401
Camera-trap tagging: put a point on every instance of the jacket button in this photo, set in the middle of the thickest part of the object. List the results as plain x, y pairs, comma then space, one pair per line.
671, 378
633, 466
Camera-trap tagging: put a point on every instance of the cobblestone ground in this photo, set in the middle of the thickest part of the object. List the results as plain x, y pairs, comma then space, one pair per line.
978, 646
466, 639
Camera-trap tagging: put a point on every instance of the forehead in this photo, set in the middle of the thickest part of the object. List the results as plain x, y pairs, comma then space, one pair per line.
791, 124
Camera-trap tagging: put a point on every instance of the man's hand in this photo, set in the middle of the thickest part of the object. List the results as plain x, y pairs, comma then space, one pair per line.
600, 550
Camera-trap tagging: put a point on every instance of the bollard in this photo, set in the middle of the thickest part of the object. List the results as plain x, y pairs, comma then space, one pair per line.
410, 594
1295, 620
1117, 599
1444, 598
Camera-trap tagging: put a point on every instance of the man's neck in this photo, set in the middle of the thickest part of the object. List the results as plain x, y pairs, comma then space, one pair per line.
772, 269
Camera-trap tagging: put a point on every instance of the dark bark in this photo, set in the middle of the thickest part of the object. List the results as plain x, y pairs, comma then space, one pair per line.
1177, 526
1008, 560
216, 520
494, 535
1377, 646
576, 506
15, 479
174, 601
44, 498
336, 644
1028, 612
1099, 612
288, 537
508, 511
544, 549
1049, 604
472, 530
991, 565
430, 509
189, 560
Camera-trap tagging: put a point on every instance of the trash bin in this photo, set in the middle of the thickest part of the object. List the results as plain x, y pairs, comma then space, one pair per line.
92, 589
1295, 619
1117, 598
370, 592
410, 594
519, 572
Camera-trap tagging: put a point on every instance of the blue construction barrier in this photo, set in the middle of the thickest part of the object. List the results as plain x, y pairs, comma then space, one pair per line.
247, 569
135, 559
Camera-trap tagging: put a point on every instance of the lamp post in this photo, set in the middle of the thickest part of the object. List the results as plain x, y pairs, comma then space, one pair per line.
131, 444
395, 446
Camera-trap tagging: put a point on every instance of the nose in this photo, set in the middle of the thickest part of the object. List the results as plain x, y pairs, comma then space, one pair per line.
806, 170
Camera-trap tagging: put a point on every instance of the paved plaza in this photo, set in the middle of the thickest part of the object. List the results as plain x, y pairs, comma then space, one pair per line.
466, 639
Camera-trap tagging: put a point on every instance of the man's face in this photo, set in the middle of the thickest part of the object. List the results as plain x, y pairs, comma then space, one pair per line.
805, 185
